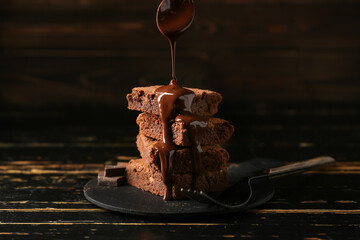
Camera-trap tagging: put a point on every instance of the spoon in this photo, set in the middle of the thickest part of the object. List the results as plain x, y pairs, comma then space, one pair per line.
173, 18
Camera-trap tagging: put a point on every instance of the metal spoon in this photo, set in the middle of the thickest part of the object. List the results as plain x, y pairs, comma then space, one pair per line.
173, 18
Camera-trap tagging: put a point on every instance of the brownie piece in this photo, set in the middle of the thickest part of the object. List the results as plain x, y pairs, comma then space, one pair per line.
213, 157
142, 99
139, 175
218, 131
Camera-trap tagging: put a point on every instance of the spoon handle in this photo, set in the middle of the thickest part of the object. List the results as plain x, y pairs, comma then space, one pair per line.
298, 166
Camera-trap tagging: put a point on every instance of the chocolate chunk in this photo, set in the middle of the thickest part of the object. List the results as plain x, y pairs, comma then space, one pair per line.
217, 131
111, 181
139, 175
114, 170
213, 157
143, 99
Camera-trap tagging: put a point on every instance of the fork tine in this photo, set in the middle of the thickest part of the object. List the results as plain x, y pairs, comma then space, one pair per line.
200, 197
188, 194
192, 194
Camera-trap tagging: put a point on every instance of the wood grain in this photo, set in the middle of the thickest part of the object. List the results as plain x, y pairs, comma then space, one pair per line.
271, 226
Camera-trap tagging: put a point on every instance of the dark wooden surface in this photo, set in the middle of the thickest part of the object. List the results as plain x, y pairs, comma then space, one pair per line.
289, 74
45, 160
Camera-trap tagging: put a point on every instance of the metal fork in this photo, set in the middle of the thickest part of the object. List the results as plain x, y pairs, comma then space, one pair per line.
261, 189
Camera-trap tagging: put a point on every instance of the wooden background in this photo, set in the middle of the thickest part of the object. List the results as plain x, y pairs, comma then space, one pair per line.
90, 53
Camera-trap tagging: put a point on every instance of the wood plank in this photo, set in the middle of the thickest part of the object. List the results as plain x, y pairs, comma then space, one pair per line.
90, 210
251, 226
41, 167
130, 35
96, 4
249, 26
71, 81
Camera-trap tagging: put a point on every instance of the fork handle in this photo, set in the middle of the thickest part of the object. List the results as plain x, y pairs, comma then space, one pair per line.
298, 166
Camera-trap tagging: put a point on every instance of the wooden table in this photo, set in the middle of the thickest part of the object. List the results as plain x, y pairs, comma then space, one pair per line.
47, 156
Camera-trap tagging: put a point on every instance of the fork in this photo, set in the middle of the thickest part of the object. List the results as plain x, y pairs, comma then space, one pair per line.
257, 182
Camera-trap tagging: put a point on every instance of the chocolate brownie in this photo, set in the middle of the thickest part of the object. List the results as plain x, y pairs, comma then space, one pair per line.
205, 102
213, 157
139, 175
217, 131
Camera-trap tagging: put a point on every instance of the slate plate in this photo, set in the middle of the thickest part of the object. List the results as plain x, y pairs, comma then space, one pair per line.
130, 200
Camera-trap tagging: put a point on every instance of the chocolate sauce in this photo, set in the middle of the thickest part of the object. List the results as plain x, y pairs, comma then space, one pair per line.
195, 125
174, 102
171, 99
173, 18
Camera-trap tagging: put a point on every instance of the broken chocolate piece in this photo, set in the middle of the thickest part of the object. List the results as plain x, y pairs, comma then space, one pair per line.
114, 170
111, 181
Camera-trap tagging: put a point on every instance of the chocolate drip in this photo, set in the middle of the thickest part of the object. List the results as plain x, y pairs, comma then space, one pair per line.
175, 100
173, 18
172, 99
173, 49
195, 125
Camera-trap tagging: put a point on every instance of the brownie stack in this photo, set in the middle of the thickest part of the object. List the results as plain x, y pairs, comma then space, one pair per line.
145, 173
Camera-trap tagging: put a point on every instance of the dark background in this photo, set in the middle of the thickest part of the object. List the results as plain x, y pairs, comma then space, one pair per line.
59, 54
288, 70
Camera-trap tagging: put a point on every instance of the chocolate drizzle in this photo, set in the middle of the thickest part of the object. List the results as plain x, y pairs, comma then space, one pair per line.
174, 102
173, 18
195, 125
172, 99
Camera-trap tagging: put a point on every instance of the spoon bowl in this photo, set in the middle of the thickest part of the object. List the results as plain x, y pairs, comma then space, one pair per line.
174, 17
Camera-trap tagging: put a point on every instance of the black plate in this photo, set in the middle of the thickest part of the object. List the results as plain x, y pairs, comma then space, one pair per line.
130, 200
